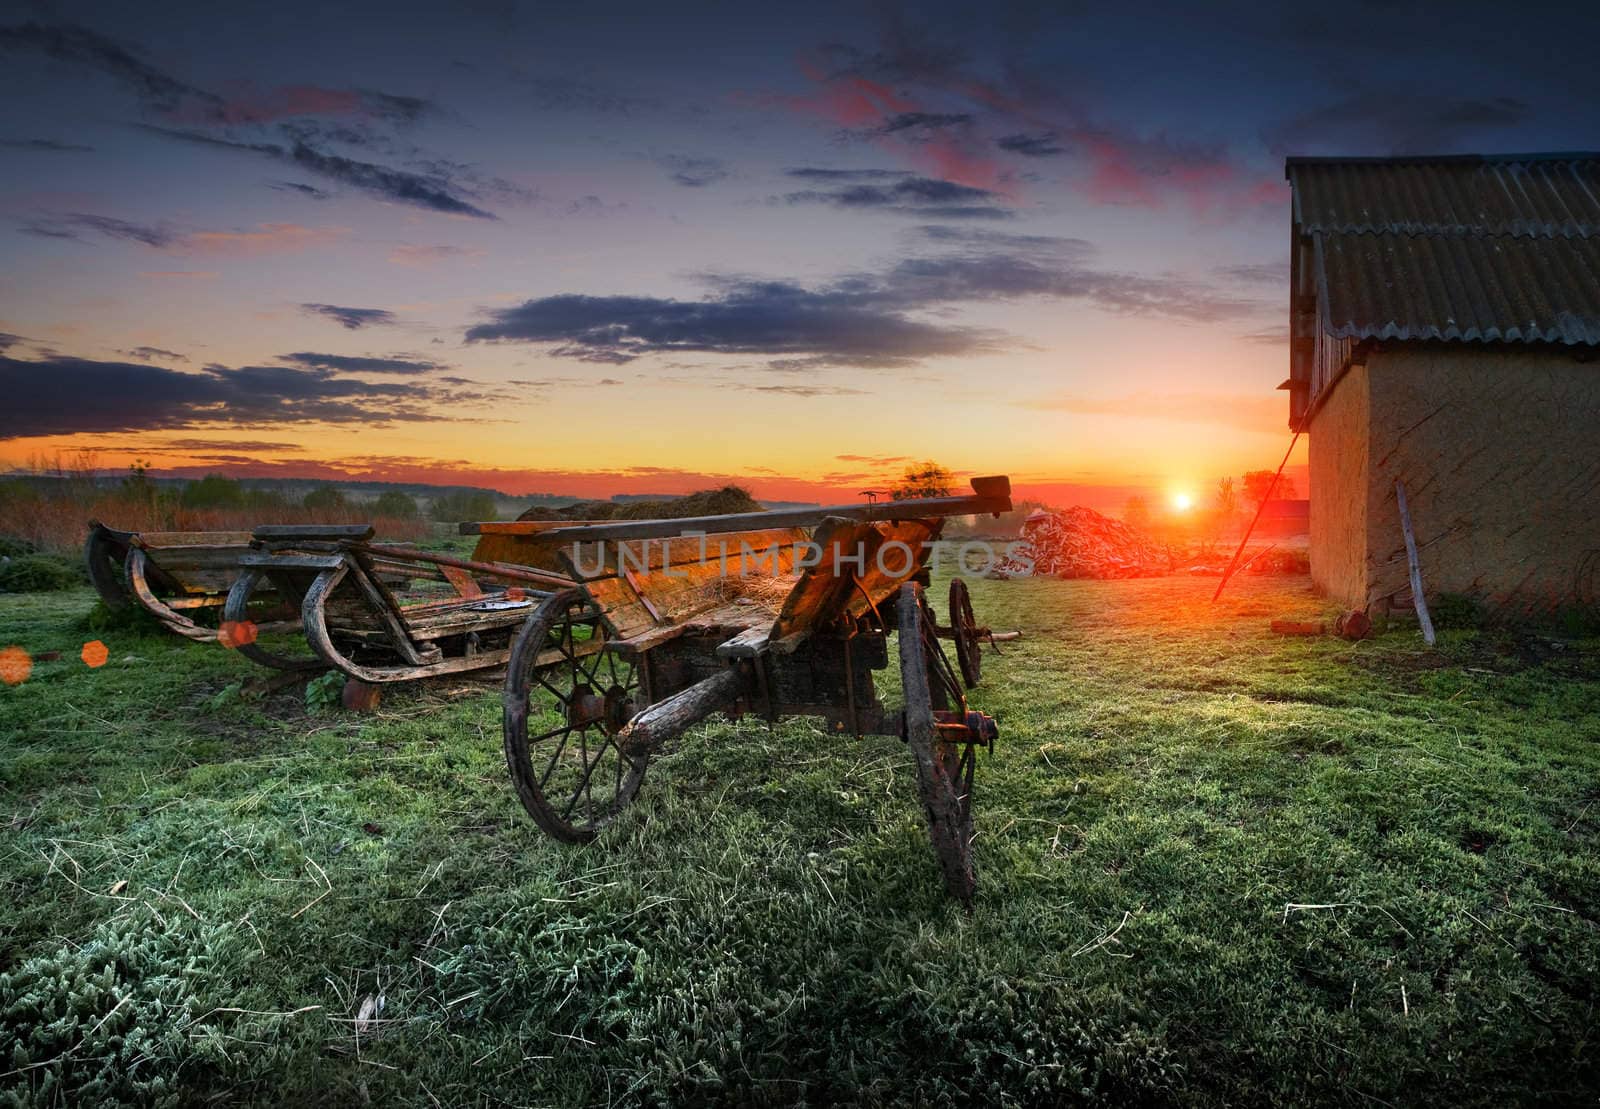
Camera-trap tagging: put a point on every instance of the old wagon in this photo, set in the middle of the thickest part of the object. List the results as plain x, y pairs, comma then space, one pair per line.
383, 612
181, 578
774, 613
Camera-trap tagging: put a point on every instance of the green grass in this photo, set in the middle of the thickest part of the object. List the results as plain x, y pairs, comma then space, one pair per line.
1216, 866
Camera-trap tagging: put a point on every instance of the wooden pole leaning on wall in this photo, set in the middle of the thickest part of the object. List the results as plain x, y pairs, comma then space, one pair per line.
1267, 496
1412, 564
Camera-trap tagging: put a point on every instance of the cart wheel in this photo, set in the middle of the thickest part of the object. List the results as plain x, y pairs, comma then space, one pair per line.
965, 628
573, 696
243, 607
944, 769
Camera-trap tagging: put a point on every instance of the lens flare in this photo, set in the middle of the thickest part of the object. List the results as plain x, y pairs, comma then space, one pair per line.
1182, 502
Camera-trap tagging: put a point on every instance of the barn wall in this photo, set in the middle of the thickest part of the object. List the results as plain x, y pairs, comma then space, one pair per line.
1339, 459
1501, 460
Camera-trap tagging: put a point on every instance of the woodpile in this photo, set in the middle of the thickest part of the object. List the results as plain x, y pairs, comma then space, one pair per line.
1078, 542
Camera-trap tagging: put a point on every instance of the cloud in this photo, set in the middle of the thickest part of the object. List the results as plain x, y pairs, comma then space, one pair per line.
64, 396
352, 318
49, 145
690, 172
573, 94
170, 95
80, 224
864, 320
902, 193
922, 122
309, 191
150, 354
351, 364
421, 256
265, 238
806, 390
753, 318
1247, 411
1257, 273
251, 445
1395, 121
8, 340
69, 43
434, 191
1031, 146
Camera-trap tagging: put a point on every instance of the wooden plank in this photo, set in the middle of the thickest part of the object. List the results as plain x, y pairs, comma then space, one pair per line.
747, 644
292, 561
881, 583
1414, 566
729, 551
520, 527
620, 606
358, 532
156, 541
824, 589
463, 581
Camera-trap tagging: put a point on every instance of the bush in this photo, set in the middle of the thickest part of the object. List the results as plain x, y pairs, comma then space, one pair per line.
212, 491
395, 503
35, 573
455, 507
325, 498
11, 547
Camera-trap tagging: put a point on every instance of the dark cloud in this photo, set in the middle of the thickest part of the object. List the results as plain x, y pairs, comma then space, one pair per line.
80, 225
68, 43
352, 318
151, 354
922, 121
806, 390
1031, 146
45, 145
754, 318
170, 95
692, 172
65, 396
437, 192
865, 320
1257, 273
8, 340
810, 173
1395, 121
229, 445
351, 364
902, 193
309, 191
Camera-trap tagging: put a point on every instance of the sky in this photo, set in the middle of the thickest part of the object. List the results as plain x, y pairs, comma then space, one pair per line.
647, 248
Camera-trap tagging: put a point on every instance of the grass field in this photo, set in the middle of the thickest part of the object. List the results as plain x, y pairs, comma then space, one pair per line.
1216, 867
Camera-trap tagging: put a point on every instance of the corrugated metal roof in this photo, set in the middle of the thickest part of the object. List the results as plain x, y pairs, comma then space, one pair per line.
1466, 288
1465, 249
1534, 195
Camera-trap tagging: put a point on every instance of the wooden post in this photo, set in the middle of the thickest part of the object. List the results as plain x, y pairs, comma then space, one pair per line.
1412, 563
1228, 573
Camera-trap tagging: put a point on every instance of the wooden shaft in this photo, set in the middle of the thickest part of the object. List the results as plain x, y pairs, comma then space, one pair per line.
487, 569
926, 508
1414, 566
664, 722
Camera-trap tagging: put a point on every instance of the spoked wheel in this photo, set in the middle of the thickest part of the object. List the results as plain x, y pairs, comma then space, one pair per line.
934, 701
965, 630
566, 698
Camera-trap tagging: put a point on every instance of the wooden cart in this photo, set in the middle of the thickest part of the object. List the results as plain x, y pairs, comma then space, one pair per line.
776, 613
383, 612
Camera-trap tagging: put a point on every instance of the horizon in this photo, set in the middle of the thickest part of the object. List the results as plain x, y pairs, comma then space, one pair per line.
528, 252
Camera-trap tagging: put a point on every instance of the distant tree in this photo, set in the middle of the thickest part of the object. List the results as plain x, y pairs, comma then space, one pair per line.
137, 486
394, 503
923, 479
1136, 513
457, 507
212, 491
324, 498
1258, 487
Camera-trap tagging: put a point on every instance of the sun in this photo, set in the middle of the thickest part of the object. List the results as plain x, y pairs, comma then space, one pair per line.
1182, 502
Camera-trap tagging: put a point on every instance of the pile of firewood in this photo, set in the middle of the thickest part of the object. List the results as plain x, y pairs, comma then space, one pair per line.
1080, 543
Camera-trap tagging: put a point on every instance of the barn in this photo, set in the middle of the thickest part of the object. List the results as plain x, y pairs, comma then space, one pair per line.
1444, 328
